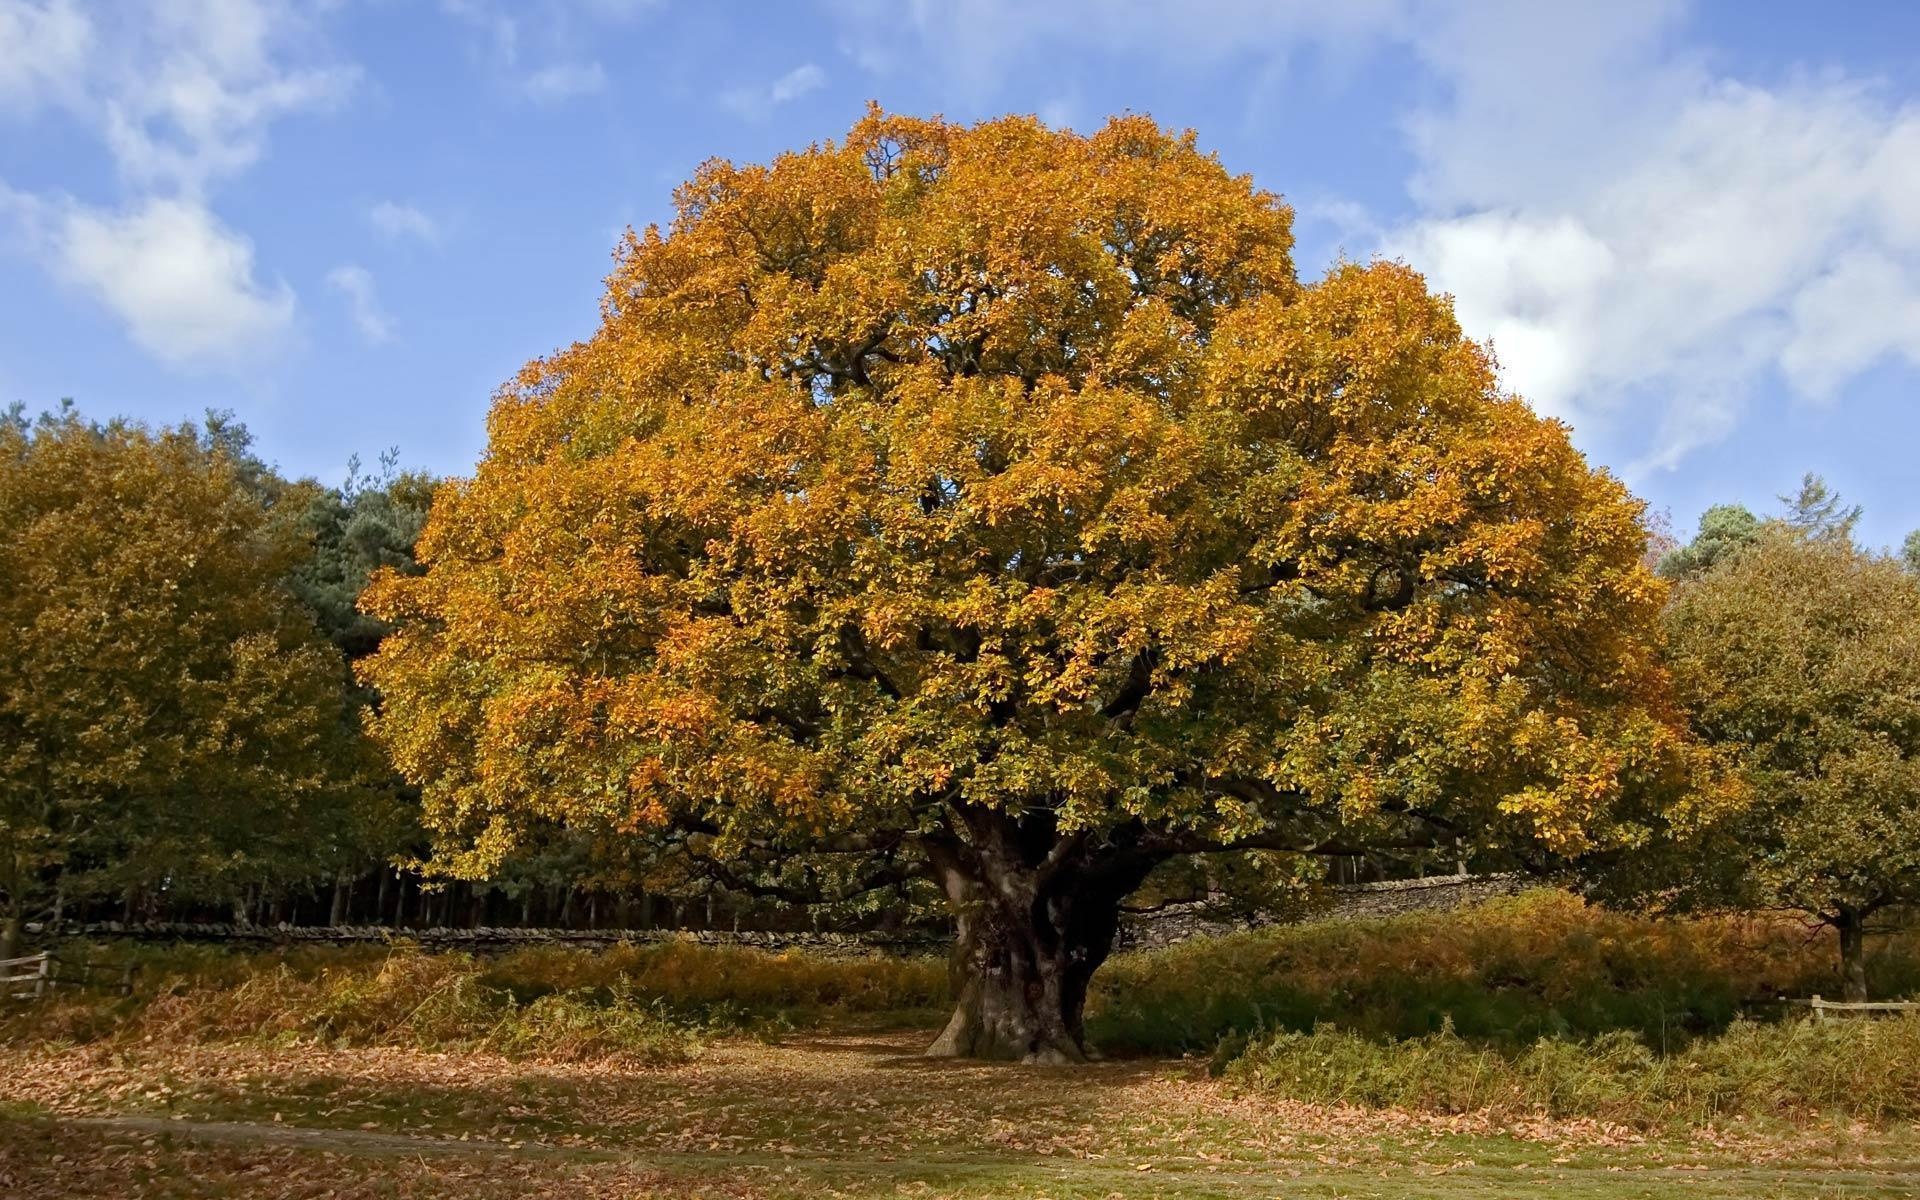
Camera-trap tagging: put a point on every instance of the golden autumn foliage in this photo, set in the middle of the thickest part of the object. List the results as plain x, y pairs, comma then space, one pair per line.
167, 709
952, 485
986, 416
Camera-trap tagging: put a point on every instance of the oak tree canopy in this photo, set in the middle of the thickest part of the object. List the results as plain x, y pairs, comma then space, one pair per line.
994, 503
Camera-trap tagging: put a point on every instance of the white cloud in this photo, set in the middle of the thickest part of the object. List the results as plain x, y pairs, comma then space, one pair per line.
1518, 283
564, 81
42, 47
1646, 240
396, 221
185, 92
1747, 232
183, 283
755, 103
355, 285
182, 96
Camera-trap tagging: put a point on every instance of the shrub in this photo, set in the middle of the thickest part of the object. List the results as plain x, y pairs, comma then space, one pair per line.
706, 980
572, 1027
1542, 964
1861, 1069
651, 1002
406, 998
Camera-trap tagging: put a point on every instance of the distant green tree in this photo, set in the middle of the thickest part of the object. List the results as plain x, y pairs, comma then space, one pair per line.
1910, 552
369, 523
1799, 657
1724, 530
1816, 511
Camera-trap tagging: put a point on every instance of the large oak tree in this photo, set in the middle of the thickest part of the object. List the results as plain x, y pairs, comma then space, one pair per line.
995, 503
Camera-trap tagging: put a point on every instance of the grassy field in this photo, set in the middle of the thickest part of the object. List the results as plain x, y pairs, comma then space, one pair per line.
1531, 1046
850, 1115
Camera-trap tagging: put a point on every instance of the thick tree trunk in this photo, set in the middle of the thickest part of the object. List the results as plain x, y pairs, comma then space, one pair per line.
1034, 920
1020, 991
1852, 926
12, 932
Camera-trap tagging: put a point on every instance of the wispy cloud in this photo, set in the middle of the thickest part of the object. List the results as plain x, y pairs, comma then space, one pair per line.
494, 22
186, 96
43, 48
398, 221
616, 10
514, 35
355, 285
564, 81
755, 103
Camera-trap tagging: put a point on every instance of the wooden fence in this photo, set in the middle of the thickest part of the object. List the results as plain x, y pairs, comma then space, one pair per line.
1824, 1010
29, 978
25, 978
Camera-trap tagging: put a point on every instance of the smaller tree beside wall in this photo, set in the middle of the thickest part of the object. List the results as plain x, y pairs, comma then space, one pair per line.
1798, 654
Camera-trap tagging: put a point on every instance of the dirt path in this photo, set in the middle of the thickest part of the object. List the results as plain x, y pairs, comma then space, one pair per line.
824, 1116
253, 1133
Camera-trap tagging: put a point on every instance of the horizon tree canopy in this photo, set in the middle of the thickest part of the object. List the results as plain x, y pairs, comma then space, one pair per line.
170, 715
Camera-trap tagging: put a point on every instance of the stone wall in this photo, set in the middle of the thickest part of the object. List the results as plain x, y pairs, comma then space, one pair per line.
1139, 931
501, 938
1439, 893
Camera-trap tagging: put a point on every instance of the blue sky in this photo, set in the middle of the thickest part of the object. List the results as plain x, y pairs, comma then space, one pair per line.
1691, 230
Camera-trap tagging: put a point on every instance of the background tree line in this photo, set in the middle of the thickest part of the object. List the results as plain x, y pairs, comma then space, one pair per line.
182, 735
